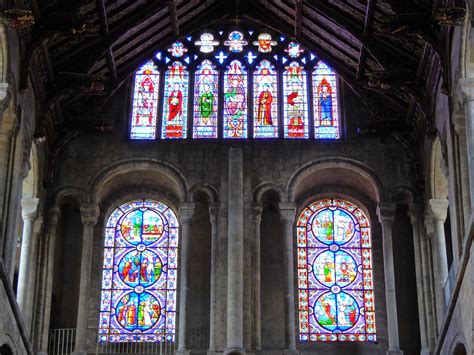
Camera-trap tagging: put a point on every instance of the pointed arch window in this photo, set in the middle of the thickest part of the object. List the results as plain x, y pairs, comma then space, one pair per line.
145, 102
295, 111
175, 103
335, 284
235, 101
206, 84
138, 299
326, 108
265, 101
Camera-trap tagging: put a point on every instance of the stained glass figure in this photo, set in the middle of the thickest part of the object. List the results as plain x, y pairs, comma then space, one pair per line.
235, 101
175, 102
326, 110
335, 285
205, 101
264, 43
177, 49
145, 102
265, 100
206, 43
236, 42
294, 50
138, 299
296, 102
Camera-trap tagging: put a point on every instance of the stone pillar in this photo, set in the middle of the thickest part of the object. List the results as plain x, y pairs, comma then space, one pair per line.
430, 297
89, 215
386, 214
467, 88
186, 212
46, 288
416, 215
235, 246
438, 211
287, 216
29, 212
256, 276
214, 215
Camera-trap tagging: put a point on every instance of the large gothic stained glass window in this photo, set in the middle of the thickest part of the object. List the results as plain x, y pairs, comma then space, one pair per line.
296, 102
138, 301
335, 285
145, 102
175, 104
205, 101
265, 101
326, 110
235, 101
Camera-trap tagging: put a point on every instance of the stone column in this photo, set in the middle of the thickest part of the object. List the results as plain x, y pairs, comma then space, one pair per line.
235, 246
186, 212
438, 211
467, 88
29, 212
46, 288
386, 214
256, 275
89, 215
287, 216
430, 296
416, 215
214, 215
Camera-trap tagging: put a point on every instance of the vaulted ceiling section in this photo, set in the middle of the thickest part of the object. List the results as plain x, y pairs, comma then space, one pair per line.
391, 53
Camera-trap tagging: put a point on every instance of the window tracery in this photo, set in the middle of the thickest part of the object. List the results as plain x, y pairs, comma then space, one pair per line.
244, 84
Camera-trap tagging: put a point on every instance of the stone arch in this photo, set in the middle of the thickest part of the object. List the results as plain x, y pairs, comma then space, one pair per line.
438, 180
370, 181
72, 192
403, 194
266, 186
211, 192
7, 346
155, 168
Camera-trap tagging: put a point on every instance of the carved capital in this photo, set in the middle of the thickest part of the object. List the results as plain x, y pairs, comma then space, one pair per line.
467, 89
89, 213
439, 208
287, 212
29, 208
459, 121
416, 212
213, 212
53, 218
186, 212
256, 213
386, 212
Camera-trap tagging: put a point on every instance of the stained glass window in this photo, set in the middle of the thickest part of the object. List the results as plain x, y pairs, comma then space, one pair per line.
145, 102
265, 101
295, 111
175, 102
205, 101
138, 301
326, 110
264, 43
335, 285
235, 101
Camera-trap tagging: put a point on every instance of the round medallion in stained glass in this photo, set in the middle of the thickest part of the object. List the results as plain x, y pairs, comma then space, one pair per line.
138, 312
333, 226
142, 226
336, 312
140, 268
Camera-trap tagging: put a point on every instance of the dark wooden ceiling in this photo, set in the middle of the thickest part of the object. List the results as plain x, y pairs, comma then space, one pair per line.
391, 53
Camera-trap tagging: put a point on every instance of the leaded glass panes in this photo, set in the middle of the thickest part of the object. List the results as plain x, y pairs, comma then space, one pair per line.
335, 284
326, 110
295, 110
145, 102
138, 300
205, 101
235, 101
175, 103
265, 101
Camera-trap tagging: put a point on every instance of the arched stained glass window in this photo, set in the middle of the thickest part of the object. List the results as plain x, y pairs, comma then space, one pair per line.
175, 103
206, 85
145, 102
326, 110
295, 110
335, 285
265, 101
138, 301
235, 101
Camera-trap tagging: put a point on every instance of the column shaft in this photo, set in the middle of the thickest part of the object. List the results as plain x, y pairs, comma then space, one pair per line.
235, 281
89, 215
256, 275
213, 214
467, 87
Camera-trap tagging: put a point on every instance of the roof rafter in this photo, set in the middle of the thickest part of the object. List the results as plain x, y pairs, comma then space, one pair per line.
369, 18
104, 29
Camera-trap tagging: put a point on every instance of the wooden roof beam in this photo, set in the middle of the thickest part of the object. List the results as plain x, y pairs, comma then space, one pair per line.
298, 17
104, 29
369, 19
173, 17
